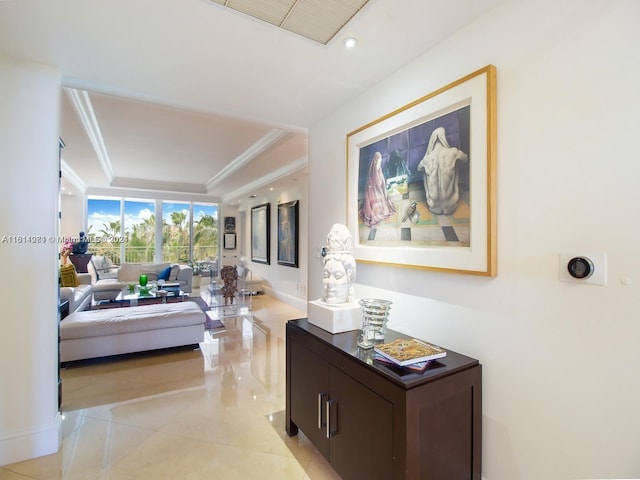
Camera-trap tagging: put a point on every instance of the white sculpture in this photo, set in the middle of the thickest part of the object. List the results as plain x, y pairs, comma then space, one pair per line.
339, 271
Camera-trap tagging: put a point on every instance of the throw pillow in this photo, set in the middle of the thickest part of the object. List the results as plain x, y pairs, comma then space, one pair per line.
105, 263
93, 270
68, 276
164, 274
173, 276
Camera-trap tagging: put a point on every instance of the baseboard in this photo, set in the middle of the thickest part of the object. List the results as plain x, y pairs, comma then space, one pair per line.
299, 303
31, 443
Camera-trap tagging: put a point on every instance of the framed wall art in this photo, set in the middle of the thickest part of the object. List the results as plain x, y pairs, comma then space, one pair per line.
229, 241
421, 181
288, 234
230, 224
260, 243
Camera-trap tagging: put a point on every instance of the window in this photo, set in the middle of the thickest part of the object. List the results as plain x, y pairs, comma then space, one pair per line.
104, 227
205, 237
140, 231
175, 232
126, 230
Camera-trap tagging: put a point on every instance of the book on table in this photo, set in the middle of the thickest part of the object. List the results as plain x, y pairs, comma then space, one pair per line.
409, 351
418, 367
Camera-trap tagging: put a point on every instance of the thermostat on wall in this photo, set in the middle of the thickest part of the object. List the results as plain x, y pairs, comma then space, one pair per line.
580, 267
583, 268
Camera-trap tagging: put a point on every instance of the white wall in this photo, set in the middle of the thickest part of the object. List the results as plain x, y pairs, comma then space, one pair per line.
285, 283
30, 425
74, 213
560, 361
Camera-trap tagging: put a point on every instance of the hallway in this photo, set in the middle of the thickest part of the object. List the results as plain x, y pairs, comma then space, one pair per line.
184, 414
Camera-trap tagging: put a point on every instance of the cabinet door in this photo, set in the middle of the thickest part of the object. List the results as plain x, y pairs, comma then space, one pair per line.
309, 395
361, 425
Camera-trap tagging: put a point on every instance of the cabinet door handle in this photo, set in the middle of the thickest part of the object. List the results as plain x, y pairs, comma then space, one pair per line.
321, 423
330, 432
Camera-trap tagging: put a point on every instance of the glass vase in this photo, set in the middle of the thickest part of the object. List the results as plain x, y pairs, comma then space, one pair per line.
375, 314
143, 280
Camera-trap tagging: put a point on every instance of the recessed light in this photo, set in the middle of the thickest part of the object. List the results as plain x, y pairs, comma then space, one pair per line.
350, 42
252, 196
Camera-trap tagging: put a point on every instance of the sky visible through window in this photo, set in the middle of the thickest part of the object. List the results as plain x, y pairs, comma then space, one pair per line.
105, 211
179, 242
102, 212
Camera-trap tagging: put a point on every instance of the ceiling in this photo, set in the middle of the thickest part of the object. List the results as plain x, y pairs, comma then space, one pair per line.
195, 97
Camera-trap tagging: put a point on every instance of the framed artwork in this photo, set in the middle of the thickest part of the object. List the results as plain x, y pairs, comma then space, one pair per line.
230, 224
288, 234
260, 243
421, 181
229, 241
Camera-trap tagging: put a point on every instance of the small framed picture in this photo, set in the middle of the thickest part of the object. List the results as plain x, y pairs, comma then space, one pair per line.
230, 224
229, 241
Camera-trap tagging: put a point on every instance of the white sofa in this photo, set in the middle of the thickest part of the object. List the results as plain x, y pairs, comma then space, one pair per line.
114, 331
109, 282
79, 297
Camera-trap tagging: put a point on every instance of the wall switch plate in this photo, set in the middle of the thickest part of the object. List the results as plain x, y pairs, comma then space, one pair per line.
597, 260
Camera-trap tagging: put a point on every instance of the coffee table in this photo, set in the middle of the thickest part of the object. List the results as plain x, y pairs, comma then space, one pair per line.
152, 293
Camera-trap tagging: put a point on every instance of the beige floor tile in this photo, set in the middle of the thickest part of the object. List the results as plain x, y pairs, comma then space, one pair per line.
216, 412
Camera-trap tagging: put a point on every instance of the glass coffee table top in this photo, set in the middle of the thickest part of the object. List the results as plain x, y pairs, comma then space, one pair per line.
148, 293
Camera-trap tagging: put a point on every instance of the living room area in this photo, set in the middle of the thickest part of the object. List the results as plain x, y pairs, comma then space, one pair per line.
181, 256
145, 232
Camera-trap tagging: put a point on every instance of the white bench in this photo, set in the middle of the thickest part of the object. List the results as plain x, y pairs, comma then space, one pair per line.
113, 331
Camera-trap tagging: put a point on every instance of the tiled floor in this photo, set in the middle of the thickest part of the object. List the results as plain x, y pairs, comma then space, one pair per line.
211, 414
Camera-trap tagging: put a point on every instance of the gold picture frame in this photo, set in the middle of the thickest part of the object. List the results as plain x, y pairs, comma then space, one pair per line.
421, 181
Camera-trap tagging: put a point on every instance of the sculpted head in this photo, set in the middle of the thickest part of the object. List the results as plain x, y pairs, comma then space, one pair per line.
339, 267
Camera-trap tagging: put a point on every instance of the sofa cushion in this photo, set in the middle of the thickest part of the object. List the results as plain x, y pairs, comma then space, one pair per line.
68, 276
114, 321
150, 272
109, 284
130, 272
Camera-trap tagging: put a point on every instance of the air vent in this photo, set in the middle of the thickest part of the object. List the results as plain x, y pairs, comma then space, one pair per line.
318, 20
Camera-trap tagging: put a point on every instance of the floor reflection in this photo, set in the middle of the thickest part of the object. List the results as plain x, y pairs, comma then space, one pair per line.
213, 412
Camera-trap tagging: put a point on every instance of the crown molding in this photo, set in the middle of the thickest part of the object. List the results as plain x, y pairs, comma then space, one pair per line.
274, 136
84, 109
72, 177
137, 183
282, 172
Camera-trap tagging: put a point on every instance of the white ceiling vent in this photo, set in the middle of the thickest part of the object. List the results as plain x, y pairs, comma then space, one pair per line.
318, 20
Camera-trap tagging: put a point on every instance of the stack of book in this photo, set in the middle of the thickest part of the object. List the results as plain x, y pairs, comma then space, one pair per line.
410, 353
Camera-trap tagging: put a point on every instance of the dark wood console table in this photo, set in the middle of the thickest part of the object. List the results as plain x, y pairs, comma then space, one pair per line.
373, 421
